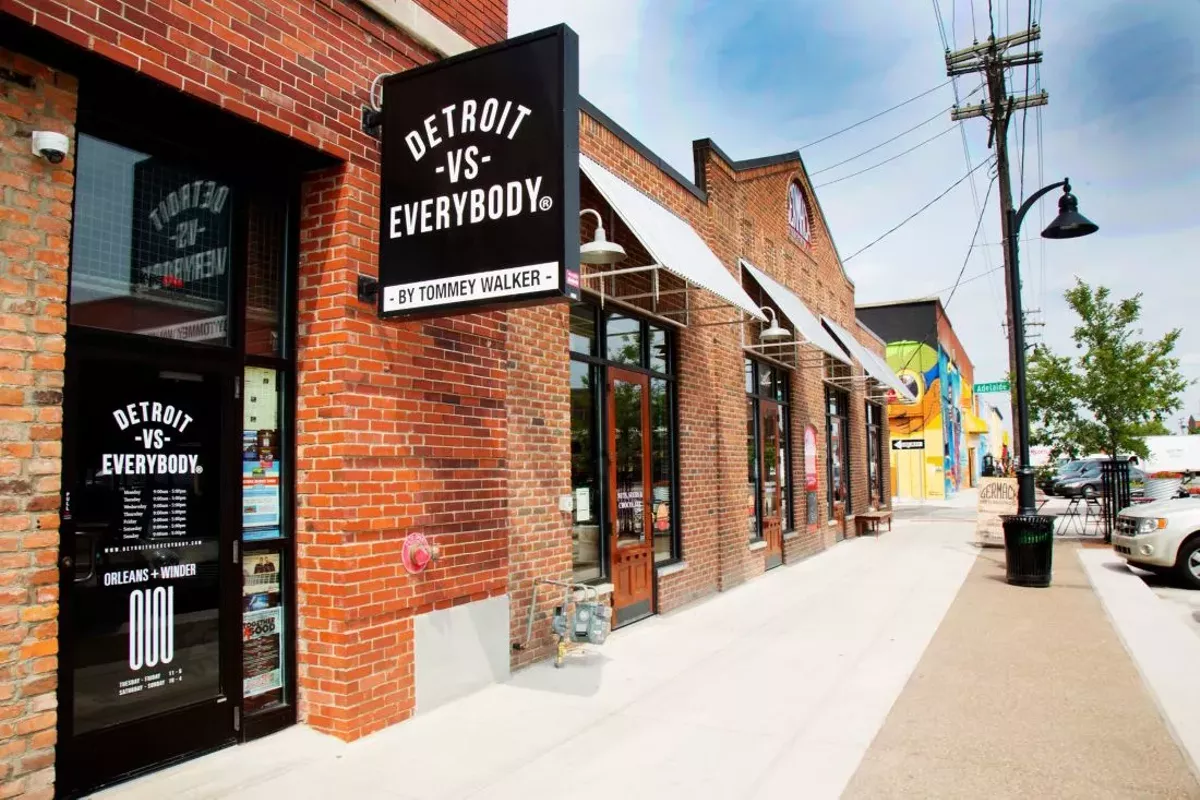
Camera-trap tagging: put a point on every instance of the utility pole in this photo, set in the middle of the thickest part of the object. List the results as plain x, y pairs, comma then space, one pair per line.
991, 59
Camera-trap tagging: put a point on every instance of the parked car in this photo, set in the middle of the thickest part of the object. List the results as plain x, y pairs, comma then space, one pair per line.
1162, 537
1046, 480
1088, 482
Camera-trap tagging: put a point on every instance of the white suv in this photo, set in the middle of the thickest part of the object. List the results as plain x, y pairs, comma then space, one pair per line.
1162, 536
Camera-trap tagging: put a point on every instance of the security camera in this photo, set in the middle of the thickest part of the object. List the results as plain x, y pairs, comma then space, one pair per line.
51, 146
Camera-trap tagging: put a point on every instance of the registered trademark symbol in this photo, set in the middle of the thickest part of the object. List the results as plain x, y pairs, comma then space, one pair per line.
545, 203
199, 470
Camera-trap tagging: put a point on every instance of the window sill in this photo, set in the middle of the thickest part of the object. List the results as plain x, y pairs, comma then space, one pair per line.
787, 537
671, 569
760, 544
831, 524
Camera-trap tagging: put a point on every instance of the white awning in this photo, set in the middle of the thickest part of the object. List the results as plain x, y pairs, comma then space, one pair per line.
874, 366
805, 322
671, 241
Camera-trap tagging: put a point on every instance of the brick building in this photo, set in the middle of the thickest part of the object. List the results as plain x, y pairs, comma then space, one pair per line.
185, 283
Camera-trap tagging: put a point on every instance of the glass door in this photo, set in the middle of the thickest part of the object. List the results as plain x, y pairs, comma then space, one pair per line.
772, 482
148, 672
631, 547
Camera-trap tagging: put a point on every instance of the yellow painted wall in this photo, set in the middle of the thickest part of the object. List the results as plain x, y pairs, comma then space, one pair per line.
919, 474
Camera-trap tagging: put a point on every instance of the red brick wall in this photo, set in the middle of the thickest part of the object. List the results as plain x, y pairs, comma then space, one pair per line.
950, 343
477, 20
300, 68
35, 218
539, 469
399, 427
707, 495
750, 212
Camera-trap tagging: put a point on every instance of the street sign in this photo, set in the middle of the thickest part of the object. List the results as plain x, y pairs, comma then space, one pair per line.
480, 179
908, 444
993, 387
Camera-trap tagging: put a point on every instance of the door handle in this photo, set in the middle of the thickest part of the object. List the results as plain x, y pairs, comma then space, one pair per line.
67, 562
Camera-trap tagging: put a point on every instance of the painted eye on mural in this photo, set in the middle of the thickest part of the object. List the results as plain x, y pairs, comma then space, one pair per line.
912, 382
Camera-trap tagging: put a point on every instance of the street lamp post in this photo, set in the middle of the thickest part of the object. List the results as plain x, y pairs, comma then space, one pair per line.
1069, 224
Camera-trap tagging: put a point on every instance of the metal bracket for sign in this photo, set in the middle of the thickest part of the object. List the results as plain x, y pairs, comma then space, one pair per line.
372, 122
368, 289
236, 554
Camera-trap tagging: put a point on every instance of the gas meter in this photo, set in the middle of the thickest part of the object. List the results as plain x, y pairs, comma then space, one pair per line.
592, 622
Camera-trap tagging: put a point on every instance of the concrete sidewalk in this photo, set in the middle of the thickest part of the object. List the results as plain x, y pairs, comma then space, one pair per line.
771, 690
1025, 693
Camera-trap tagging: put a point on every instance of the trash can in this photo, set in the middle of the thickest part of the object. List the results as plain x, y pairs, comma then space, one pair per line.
1028, 548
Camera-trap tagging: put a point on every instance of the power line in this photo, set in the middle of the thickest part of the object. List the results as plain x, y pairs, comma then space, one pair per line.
875, 116
958, 281
889, 141
963, 132
916, 213
881, 144
1025, 111
971, 247
886, 160
937, 10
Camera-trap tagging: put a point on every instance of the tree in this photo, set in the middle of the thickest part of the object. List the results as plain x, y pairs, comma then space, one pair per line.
1117, 390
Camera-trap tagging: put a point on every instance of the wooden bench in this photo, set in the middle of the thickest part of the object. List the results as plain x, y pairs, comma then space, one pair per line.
869, 521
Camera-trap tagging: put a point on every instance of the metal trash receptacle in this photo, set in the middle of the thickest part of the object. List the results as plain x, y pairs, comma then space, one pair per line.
1028, 549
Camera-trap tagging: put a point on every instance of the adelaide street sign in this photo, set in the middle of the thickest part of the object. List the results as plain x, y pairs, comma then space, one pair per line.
994, 386
480, 179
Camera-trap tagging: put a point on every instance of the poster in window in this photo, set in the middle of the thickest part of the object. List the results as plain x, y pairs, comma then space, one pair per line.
260, 409
260, 581
810, 472
260, 496
262, 651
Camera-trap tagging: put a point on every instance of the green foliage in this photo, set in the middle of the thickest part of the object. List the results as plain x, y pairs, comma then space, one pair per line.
1118, 389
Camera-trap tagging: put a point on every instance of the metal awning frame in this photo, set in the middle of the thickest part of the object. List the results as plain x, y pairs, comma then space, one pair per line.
656, 293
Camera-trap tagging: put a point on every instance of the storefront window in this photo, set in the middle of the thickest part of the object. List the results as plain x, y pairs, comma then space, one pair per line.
583, 330
585, 473
658, 349
875, 451
265, 258
623, 336
263, 575
593, 419
836, 417
151, 246
752, 468
768, 445
662, 466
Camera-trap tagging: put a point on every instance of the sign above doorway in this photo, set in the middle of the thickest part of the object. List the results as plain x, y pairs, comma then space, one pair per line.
480, 179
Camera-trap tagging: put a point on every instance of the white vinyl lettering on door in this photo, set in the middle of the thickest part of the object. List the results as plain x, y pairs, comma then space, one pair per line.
151, 627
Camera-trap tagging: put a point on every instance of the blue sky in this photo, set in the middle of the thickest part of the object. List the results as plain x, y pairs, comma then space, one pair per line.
768, 76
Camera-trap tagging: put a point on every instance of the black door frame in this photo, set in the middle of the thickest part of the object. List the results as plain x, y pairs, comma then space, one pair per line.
182, 733
259, 163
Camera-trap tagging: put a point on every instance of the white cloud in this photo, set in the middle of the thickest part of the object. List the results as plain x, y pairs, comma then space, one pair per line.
1132, 162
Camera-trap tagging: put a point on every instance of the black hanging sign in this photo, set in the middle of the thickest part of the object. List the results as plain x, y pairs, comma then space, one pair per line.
480, 195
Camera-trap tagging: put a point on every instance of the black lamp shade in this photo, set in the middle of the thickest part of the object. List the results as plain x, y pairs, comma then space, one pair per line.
1069, 224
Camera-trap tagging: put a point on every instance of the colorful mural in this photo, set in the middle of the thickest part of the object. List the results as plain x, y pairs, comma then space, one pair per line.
929, 450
